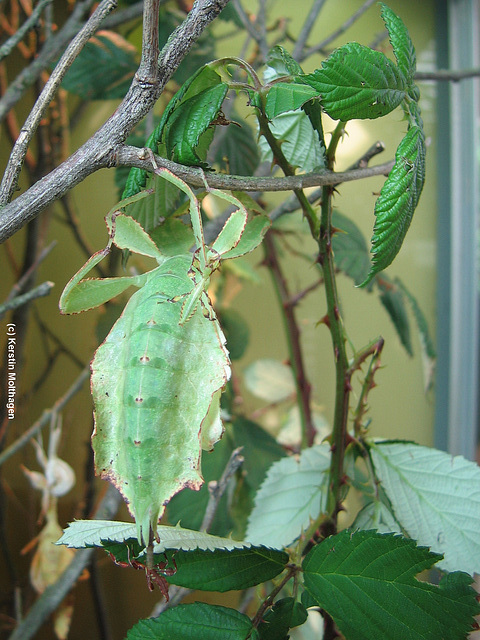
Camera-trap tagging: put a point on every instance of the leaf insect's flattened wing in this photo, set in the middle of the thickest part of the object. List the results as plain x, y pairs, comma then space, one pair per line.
153, 382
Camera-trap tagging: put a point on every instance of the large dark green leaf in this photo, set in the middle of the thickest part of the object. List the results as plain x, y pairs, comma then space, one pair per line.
223, 570
104, 68
357, 82
398, 199
189, 121
367, 583
197, 621
203, 79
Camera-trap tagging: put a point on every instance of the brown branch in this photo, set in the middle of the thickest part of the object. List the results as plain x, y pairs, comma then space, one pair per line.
100, 150
10, 177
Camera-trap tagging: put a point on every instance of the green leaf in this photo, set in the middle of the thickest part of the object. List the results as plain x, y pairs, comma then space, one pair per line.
367, 583
436, 498
87, 77
285, 614
237, 150
282, 63
197, 621
299, 141
376, 515
293, 493
270, 380
393, 301
350, 248
222, 571
95, 533
287, 96
401, 42
357, 82
189, 121
398, 199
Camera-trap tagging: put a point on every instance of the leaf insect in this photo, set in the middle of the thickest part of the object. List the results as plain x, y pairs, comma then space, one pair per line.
157, 377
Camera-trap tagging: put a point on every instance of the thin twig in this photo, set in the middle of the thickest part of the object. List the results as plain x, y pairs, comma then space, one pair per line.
216, 488
338, 32
18, 286
29, 24
48, 54
307, 28
45, 418
38, 292
447, 75
100, 150
53, 595
10, 178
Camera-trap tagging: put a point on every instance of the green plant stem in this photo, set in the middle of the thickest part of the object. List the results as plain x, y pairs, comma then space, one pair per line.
342, 374
292, 333
268, 602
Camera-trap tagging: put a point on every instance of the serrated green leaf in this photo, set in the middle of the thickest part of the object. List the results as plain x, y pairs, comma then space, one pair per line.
237, 151
436, 498
357, 82
197, 621
277, 621
401, 42
293, 493
213, 570
300, 143
349, 248
189, 121
270, 380
227, 570
367, 583
287, 96
105, 50
393, 301
398, 199
94, 533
